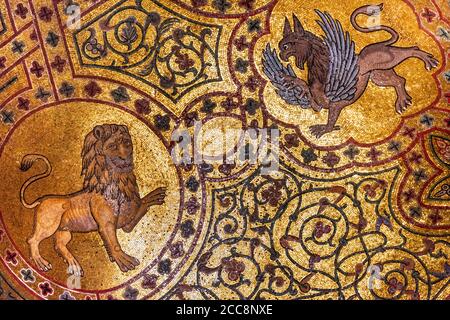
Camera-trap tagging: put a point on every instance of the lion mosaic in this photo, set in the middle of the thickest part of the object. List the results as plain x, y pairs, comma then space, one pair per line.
109, 199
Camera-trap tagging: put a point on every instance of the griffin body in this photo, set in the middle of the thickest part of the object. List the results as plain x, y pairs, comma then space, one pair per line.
337, 76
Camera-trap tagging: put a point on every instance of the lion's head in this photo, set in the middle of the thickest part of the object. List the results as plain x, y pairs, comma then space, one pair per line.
107, 162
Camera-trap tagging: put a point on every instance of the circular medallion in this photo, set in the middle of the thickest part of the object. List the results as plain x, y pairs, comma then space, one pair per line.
161, 241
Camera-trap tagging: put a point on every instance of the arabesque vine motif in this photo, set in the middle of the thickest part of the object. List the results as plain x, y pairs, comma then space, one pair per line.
291, 236
164, 50
361, 212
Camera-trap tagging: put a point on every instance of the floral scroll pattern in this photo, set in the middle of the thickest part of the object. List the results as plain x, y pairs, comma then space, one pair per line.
441, 151
358, 216
301, 237
6, 291
165, 50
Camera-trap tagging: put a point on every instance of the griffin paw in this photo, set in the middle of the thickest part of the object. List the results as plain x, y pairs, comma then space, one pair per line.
403, 103
319, 130
430, 62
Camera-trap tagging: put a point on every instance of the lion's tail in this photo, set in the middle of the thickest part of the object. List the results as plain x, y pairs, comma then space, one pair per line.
27, 163
373, 11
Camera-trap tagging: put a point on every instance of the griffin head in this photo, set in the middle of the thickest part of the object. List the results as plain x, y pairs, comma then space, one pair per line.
295, 43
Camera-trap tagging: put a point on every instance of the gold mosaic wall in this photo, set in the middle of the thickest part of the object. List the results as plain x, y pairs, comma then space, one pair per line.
162, 106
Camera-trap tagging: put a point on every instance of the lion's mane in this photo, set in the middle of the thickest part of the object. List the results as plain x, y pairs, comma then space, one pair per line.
97, 176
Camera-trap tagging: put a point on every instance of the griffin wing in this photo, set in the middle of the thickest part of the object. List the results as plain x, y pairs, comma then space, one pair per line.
283, 79
344, 69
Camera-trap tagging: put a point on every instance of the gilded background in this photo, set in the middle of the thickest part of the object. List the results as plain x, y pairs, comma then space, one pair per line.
360, 213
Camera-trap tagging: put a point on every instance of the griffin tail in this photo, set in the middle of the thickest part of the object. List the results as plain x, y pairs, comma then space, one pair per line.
373, 11
27, 163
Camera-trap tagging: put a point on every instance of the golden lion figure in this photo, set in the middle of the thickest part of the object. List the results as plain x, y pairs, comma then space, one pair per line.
108, 201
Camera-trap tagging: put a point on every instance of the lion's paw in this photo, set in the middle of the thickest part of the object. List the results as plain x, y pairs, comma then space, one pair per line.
75, 269
125, 262
42, 264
